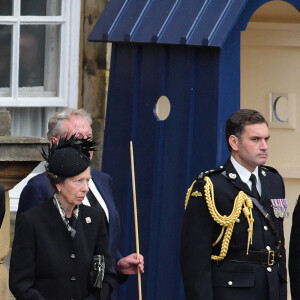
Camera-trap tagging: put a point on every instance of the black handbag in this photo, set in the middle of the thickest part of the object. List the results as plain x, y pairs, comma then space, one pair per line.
97, 272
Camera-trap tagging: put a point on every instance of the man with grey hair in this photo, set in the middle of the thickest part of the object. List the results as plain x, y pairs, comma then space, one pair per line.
39, 190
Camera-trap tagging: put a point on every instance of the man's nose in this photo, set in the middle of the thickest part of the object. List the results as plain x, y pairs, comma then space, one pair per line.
264, 144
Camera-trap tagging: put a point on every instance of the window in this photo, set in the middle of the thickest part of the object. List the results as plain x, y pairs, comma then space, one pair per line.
39, 53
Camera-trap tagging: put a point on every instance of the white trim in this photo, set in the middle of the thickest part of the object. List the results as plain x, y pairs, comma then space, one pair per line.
8, 20
64, 62
15, 61
34, 102
34, 19
74, 46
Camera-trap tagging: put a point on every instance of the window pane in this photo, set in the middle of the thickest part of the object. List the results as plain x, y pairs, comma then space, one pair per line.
6, 7
41, 7
39, 60
5, 61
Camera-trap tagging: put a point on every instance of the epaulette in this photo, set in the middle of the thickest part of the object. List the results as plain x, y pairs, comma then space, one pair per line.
210, 172
269, 168
201, 176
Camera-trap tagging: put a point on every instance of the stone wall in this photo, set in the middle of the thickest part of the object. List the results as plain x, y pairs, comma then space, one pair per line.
94, 73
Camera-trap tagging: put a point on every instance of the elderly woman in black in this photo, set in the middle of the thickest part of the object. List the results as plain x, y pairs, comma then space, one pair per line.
56, 242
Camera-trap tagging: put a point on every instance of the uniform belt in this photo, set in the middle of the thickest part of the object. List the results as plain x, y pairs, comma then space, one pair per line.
264, 257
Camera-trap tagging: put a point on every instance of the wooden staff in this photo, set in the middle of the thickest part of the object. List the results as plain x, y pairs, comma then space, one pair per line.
135, 220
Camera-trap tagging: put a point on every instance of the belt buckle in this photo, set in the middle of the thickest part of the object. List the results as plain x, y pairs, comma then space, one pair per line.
271, 257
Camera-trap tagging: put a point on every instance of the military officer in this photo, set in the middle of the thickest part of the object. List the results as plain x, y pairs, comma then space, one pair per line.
232, 244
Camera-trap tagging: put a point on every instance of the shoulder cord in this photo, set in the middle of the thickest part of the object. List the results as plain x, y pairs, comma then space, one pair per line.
241, 200
188, 193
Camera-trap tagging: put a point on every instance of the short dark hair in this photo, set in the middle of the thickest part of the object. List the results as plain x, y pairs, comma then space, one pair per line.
236, 123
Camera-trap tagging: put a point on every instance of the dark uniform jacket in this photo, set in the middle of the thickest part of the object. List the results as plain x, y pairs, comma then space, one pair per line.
294, 254
207, 279
46, 263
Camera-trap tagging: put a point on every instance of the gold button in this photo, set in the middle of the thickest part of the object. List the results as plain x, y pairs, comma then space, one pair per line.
266, 228
269, 269
268, 248
229, 282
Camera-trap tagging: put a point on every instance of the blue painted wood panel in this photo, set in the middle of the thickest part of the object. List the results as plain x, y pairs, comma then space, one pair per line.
168, 154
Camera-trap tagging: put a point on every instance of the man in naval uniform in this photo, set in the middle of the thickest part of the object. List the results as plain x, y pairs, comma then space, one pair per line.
232, 243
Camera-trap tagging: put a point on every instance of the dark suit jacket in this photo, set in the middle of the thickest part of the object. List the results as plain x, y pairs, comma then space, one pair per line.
38, 190
46, 263
2, 204
207, 279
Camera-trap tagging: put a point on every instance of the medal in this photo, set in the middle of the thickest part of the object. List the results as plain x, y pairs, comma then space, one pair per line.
280, 208
286, 213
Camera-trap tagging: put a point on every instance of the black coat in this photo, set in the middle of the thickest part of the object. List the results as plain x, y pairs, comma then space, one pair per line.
294, 253
46, 263
206, 279
38, 190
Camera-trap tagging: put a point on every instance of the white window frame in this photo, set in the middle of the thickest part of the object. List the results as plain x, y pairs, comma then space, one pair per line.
68, 57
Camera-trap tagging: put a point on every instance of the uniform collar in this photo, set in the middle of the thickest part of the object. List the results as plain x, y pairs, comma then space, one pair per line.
245, 175
242, 171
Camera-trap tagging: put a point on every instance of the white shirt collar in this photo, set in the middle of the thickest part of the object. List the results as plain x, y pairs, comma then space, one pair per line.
243, 172
98, 196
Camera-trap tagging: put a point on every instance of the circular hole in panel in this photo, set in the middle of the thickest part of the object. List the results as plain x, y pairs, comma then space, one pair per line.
162, 108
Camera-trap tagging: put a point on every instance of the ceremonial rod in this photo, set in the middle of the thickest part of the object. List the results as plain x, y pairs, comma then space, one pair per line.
135, 220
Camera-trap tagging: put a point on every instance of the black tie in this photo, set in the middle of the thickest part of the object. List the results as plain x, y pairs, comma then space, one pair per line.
95, 203
253, 188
